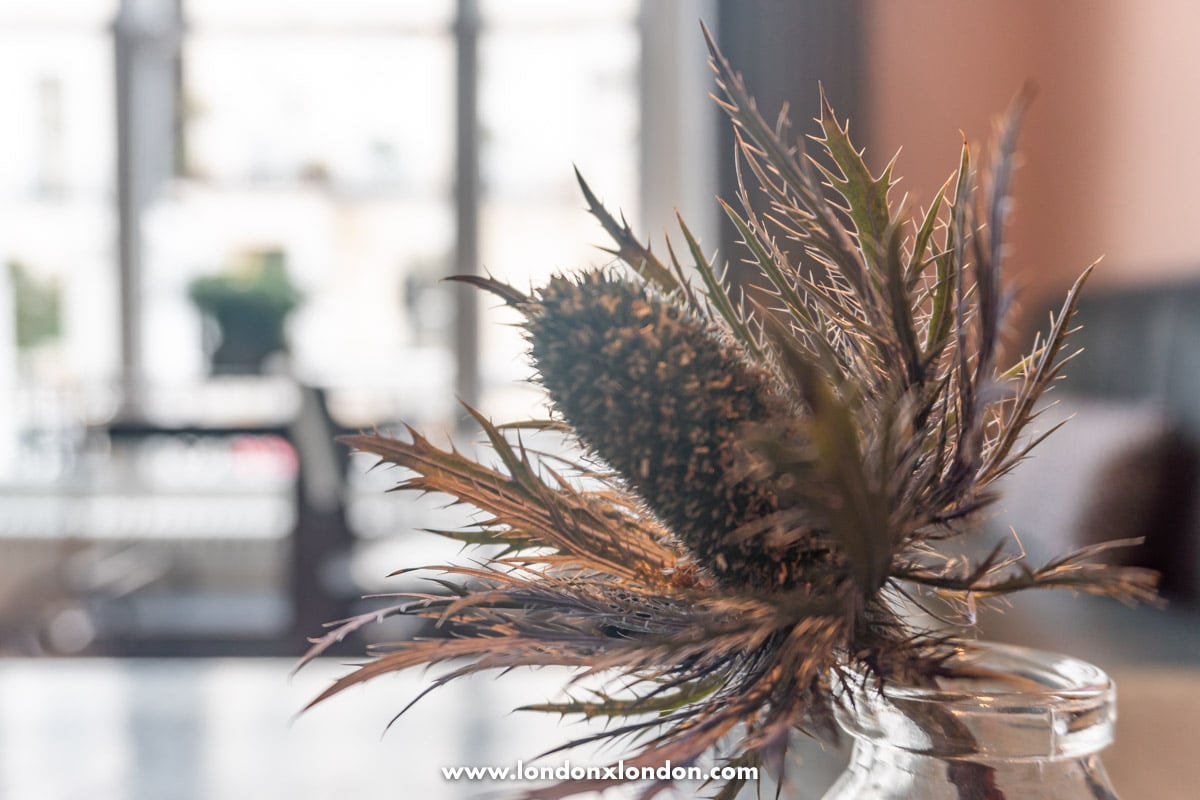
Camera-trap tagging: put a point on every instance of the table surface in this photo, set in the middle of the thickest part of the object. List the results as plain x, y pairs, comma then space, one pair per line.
210, 729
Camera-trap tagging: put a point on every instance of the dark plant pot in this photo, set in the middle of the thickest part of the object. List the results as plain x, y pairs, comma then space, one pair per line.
247, 334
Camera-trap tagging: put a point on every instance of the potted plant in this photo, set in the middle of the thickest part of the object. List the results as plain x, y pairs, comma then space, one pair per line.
247, 306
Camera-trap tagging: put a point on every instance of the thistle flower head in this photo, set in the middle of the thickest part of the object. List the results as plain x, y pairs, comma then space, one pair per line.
778, 453
674, 405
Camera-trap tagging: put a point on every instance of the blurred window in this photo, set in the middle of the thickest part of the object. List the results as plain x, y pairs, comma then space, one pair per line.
558, 86
322, 133
187, 185
58, 303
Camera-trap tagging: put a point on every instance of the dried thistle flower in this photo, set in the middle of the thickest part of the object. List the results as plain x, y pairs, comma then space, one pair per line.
671, 404
788, 450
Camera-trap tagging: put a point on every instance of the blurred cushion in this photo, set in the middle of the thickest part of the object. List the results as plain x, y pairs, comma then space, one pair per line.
1114, 470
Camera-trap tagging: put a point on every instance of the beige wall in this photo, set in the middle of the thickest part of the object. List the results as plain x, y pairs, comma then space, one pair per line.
1111, 148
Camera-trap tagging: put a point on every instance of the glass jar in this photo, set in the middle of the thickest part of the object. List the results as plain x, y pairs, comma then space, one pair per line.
1020, 724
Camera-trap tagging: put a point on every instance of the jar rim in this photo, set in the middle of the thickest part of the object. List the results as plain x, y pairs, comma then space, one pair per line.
1059, 679
1011, 703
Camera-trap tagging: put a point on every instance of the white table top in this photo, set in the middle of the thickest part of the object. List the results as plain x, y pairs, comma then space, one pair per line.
211, 729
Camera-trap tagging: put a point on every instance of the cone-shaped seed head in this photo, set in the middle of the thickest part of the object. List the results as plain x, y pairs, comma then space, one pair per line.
671, 406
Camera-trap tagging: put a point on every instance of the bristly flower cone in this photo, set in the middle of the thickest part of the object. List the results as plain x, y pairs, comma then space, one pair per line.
673, 407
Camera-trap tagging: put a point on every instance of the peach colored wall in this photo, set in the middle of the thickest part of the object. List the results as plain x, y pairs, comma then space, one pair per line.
1111, 147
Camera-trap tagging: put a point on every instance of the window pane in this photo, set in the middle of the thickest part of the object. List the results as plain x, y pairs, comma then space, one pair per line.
271, 105
58, 318
557, 90
321, 14
553, 13
308, 141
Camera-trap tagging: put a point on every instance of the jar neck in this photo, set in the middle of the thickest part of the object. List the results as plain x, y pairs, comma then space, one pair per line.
1012, 704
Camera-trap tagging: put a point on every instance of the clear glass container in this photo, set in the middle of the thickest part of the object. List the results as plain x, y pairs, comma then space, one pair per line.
1020, 724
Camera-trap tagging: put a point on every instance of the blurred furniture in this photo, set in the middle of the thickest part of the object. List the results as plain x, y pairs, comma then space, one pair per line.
318, 541
1126, 463
215, 525
1139, 344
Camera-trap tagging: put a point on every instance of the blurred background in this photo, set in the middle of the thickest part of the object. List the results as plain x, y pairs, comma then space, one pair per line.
223, 229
